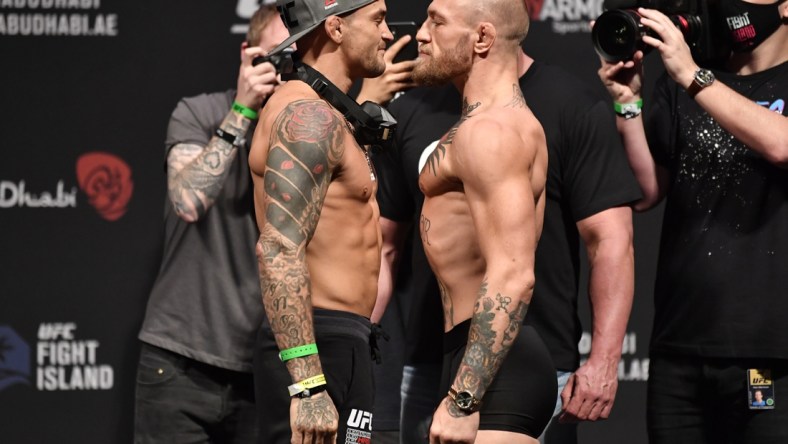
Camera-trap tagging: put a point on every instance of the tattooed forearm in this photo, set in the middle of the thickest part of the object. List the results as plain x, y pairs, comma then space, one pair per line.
196, 175
494, 327
453, 410
306, 144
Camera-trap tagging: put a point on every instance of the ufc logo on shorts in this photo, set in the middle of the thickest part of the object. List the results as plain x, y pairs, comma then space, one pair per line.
360, 419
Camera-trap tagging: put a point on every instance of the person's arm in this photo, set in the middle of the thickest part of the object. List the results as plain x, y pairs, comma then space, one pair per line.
498, 189
396, 77
306, 147
760, 129
195, 173
590, 392
393, 235
623, 81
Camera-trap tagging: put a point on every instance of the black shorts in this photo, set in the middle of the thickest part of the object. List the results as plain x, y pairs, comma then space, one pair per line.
521, 398
343, 344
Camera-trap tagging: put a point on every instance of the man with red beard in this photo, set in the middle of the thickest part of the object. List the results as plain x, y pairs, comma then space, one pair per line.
480, 223
319, 247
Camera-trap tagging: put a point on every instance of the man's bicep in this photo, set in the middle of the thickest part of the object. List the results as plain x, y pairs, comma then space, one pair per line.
306, 147
501, 200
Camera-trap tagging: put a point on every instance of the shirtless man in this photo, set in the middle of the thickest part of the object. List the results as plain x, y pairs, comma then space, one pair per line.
318, 252
480, 223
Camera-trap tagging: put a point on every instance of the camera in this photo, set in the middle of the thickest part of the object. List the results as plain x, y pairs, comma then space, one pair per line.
282, 60
618, 33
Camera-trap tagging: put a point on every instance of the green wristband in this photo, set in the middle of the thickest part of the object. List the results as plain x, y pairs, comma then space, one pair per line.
298, 352
244, 111
628, 110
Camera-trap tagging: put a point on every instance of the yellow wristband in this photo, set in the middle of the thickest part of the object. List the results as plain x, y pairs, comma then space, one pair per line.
308, 383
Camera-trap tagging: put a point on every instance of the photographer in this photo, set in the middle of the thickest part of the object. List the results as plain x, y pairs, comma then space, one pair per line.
194, 380
717, 149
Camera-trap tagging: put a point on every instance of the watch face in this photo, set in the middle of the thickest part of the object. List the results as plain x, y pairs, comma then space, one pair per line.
704, 77
464, 400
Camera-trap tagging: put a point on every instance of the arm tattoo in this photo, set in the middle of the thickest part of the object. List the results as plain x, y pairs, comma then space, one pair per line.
454, 411
494, 327
518, 101
440, 150
306, 144
194, 182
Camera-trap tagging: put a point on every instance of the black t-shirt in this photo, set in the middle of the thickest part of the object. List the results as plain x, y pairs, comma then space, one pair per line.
723, 264
587, 173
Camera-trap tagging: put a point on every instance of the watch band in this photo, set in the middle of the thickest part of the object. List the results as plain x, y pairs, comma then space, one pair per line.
703, 78
232, 139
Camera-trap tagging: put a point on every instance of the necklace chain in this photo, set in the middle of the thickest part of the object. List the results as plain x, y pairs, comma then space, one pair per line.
369, 164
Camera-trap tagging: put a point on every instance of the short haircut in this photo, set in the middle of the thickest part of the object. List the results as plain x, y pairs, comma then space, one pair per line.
261, 18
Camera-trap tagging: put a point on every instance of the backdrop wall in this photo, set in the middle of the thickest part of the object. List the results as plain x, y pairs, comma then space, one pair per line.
86, 90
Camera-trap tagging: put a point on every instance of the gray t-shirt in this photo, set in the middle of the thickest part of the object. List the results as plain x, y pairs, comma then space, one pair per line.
206, 302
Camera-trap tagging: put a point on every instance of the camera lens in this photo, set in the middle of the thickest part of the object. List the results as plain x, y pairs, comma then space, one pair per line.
617, 34
689, 25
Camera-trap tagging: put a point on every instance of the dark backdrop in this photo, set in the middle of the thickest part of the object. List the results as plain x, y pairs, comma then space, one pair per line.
86, 90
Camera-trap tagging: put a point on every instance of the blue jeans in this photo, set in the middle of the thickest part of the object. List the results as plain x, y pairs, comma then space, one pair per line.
180, 400
555, 432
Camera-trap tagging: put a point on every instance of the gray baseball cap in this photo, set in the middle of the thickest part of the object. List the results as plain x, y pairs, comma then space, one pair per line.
302, 16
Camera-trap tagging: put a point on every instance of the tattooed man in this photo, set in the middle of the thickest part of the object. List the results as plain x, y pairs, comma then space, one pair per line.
481, 220
194, 381
319, 247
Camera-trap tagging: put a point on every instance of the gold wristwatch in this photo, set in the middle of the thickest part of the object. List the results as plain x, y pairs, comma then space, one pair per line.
465, 401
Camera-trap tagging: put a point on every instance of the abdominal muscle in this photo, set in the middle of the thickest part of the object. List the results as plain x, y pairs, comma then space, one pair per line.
449, 238
344, 255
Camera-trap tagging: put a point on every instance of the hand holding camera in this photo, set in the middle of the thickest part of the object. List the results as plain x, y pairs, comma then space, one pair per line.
256, 82
622, 76
620, 31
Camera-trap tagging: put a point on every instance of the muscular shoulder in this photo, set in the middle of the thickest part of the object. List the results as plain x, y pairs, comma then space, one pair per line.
297, 114
500, 133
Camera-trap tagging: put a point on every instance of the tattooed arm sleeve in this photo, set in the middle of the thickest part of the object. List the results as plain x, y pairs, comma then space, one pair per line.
196, 174
305, 146
503, 207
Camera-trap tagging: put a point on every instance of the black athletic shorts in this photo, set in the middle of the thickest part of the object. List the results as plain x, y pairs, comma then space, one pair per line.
343, 345
521, 398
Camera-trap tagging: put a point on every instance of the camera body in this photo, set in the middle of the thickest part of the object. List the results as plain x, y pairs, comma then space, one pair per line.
618, 33
282, 61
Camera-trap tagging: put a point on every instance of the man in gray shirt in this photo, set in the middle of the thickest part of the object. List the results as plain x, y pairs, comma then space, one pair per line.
194, 380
